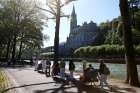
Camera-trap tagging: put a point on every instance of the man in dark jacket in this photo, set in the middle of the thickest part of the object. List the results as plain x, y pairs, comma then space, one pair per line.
71, 68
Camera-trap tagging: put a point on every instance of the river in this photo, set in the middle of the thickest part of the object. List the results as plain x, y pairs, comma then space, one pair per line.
117, 70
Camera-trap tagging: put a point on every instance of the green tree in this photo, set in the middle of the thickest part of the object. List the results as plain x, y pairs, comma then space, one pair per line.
132, 74
5, 29
134, 6
31, 36
137, 20
113, 37
22, 25
105, 25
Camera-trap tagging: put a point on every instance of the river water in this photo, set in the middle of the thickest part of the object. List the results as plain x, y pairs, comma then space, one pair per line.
116, 70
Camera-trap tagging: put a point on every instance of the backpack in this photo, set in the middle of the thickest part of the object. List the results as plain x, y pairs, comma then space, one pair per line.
106, 71
71, 67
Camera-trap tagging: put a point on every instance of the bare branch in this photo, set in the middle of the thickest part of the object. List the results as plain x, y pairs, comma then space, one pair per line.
65, 16
67, 2
46, 10
51, 8
52, 18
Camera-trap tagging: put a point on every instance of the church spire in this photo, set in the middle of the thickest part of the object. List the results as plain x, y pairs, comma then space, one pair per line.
73, 11
73, 21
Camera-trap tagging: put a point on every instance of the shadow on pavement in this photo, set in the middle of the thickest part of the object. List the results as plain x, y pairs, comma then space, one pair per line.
19, 67
117, 89
6, 90
41, 72
80, 87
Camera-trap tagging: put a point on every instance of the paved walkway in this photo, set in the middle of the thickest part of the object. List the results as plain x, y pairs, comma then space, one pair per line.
26, 80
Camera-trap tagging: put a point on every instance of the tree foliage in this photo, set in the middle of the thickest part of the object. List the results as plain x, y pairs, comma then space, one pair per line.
20, 27
106, 50
100, 51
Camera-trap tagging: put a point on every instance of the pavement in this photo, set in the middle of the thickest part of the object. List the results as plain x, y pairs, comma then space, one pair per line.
26, 80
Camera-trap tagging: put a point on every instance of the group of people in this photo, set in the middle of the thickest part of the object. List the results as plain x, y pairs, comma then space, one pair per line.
44, 65
59, 68
103, 72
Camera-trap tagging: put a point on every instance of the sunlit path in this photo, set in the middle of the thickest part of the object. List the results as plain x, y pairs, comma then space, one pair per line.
26, 80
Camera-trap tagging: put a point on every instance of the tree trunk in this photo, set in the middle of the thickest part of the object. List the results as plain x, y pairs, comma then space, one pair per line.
14, 49
56, 39
127, 70
8, 48
130, 57
20, 48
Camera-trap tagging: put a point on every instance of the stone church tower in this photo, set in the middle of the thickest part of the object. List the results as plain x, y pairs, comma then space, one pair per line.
73, 20
79, 36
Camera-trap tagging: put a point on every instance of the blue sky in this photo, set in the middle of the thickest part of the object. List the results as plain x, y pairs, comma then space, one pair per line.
87, 10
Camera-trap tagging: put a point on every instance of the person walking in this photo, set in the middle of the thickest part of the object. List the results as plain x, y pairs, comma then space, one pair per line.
35, 64
62, 69
71, 68
103, 73
55, 69
84, 65
47, 70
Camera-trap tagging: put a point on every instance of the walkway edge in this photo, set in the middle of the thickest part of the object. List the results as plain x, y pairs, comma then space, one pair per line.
12, 79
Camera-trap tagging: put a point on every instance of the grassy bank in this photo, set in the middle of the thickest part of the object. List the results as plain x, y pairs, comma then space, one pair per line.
3, 81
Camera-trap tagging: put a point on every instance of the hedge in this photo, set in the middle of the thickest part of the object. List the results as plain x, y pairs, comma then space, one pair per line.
102, 51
